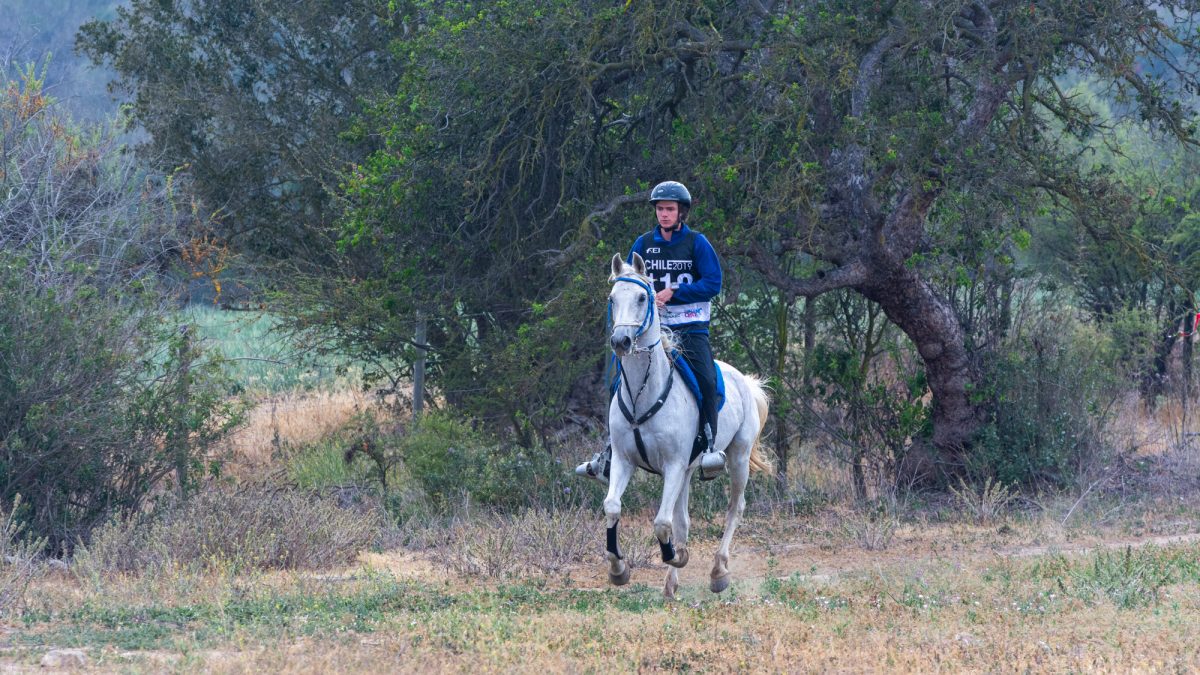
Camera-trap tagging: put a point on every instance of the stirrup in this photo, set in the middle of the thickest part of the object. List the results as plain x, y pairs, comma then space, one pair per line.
712, 462
597, 467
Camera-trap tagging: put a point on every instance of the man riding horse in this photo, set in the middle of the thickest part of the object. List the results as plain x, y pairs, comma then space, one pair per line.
687, 276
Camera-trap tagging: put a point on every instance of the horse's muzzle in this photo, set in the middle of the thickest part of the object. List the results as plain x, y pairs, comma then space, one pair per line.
621, 342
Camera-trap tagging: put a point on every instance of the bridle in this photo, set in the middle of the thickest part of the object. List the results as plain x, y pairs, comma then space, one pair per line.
642, 326
647, 318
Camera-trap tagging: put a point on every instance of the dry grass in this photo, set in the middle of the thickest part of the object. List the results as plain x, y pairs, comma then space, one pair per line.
533, 543
944, 597
291, 420
251, 528
818, 586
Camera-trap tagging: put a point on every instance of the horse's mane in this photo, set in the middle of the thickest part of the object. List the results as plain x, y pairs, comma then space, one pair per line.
669, 342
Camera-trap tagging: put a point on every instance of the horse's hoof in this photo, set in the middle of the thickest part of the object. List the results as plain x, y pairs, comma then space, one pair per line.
619, 579
719, 584
680, 559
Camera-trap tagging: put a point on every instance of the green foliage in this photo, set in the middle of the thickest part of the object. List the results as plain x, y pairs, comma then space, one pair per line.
269, 88
98, 403
1053, 389
452, 462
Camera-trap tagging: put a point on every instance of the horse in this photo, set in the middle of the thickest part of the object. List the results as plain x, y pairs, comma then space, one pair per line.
652, 425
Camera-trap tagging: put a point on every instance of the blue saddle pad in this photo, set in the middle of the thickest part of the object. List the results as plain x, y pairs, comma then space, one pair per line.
685, 374
689, 378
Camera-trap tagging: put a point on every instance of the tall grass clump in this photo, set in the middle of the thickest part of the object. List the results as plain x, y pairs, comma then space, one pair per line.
20, 559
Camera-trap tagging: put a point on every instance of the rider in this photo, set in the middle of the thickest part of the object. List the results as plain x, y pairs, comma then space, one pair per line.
687, 276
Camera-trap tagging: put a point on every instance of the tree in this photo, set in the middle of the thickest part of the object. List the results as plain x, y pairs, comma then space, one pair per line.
879, 141
252, 98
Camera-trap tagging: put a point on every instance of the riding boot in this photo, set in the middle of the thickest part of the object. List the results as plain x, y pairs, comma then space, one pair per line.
597, 467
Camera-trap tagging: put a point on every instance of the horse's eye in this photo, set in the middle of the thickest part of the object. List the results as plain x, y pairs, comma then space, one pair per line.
641, 299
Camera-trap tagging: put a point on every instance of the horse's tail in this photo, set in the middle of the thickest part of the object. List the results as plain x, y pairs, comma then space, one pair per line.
759, 462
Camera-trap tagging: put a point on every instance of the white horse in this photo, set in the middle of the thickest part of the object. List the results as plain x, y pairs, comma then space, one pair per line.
658, 425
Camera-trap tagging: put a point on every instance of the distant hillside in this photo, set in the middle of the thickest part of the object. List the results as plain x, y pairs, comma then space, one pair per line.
31, 30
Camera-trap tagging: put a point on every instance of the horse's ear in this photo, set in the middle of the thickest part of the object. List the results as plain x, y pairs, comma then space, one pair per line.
617, 266
639, 265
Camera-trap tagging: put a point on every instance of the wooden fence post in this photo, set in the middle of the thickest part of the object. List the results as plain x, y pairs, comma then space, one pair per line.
418, 395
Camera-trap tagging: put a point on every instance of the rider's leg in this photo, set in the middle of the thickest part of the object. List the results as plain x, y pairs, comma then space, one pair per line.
697, 352
598, 466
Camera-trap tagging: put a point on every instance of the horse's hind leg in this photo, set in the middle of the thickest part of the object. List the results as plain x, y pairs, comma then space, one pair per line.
739, 475
679, 531
619, 474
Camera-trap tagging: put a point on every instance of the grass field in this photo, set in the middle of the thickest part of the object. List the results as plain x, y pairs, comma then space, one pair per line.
1105, 577
948, 596
261, 361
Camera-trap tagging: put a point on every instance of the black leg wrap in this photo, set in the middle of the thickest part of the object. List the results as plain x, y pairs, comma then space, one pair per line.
668, 551
611, 541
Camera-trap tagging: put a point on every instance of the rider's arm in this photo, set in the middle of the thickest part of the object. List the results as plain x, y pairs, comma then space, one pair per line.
709, 268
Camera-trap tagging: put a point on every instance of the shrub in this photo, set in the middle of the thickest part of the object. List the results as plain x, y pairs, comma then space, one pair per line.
251, 528
99, 400
450, 460
98, 403
1051, 391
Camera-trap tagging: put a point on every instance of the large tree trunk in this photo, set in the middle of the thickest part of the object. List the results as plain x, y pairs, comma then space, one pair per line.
930, 322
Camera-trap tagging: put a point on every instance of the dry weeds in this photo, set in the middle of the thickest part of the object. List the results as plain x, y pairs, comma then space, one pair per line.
1114, 586
289, 421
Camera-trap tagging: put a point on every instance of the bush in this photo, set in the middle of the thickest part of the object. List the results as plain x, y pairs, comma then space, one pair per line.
99, 400
1052, 390
98, 403
450, 461
252, 528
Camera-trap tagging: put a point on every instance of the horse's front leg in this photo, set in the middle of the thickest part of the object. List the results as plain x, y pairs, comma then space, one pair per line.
674, 478
620, 471
680, 532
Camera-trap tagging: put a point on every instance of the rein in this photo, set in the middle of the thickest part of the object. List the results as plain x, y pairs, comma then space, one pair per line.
646, 322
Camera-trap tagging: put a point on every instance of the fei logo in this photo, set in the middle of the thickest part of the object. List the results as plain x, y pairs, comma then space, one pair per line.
650, 251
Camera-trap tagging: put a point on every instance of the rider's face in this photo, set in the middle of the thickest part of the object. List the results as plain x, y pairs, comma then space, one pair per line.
668, 214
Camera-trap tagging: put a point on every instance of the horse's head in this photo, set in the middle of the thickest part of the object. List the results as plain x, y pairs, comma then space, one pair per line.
631, 307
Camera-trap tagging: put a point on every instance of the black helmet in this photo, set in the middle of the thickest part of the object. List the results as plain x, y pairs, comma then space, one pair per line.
670, 191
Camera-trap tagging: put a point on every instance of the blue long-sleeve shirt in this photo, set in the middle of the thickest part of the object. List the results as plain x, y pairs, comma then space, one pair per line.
706, 268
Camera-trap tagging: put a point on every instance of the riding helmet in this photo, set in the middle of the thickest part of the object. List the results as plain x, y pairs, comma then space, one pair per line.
670, 191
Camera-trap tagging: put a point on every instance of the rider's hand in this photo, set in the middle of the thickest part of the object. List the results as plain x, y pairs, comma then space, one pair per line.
662, 297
